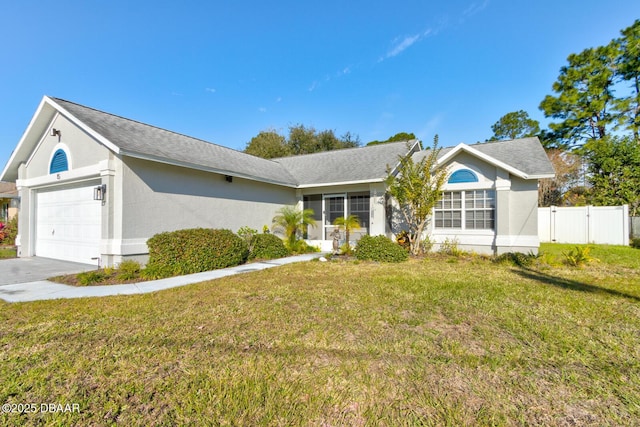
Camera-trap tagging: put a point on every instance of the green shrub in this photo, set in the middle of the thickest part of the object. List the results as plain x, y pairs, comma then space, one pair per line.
450, 247
9, 232
301, 247
247, 234
516, 258
578, 256
635, 242
128, 270
380, 248
267, 246
194, 250
91, 277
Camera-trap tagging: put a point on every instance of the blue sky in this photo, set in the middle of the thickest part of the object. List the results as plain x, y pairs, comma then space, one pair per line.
225, 70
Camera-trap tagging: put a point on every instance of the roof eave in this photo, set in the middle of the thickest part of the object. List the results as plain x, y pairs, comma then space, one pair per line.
205, 168
335, 183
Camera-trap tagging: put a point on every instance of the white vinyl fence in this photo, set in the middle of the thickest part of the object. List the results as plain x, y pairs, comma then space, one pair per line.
584, 224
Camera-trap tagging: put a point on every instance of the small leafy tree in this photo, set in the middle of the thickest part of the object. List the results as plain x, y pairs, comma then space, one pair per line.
417, 187
290, 221
348, 224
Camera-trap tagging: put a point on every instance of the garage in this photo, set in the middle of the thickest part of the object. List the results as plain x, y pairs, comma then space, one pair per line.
68, 223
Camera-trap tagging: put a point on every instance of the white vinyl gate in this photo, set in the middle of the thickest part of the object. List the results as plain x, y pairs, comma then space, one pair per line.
584, 224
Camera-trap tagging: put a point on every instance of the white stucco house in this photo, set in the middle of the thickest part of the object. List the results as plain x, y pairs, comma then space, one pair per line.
93, 187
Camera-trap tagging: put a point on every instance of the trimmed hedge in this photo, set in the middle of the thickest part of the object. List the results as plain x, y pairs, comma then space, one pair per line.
267, 246
194, 250
380, 248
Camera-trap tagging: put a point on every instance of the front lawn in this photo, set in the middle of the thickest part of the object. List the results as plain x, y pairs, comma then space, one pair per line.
7, 252
426, 342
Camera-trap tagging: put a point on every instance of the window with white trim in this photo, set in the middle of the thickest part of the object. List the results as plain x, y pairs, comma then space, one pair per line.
466, 210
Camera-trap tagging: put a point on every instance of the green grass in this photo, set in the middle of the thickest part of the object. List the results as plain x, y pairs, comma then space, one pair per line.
426, 342
7, 253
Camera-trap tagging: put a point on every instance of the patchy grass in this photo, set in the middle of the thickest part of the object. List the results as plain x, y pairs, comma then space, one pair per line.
8, 252
614, 255
425, 342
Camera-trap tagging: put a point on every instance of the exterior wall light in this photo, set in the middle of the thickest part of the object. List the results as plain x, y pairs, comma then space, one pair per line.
99, 192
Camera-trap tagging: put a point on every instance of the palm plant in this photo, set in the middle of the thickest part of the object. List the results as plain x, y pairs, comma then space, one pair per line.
347, 223
289, 221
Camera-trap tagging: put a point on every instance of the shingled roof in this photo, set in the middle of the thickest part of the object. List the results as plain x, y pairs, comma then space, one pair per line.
524, 157
127, 137
365, 164
137, 139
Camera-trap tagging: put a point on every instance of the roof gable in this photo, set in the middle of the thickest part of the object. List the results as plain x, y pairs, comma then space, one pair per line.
524, 157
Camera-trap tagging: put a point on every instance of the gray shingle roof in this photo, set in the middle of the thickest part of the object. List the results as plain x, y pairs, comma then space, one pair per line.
525, 155
139, 139
348, 165
370, 163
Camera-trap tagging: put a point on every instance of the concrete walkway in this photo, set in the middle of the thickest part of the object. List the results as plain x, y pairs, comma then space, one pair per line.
46, 290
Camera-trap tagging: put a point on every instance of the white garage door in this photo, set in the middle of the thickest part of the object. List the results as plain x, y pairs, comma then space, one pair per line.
68, 224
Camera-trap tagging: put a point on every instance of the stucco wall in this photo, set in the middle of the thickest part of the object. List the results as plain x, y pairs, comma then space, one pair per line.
158, 197
81, 149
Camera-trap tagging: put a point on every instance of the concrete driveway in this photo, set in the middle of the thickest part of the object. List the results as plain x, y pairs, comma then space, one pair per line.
23, 270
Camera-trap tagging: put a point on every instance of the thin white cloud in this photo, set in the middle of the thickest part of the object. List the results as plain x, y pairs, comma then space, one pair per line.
278, 99
262, 109
475, 8
406, 43
401, 44
210, 90
313, 86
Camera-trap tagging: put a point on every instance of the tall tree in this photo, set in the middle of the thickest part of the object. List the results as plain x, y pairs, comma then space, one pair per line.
417, 187
584, 102
302, 140
567, 165
629, 70
516, 124
268, 144
614, 172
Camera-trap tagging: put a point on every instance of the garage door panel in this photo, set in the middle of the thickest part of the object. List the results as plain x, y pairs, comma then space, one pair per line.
68, 224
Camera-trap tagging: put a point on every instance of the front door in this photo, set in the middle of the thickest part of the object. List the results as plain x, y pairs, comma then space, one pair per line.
334, 207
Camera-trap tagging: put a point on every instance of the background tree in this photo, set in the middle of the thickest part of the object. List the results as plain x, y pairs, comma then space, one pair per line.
417, 187
516, 124
568, 167
629, 70
584, 102
398, 137
614, 172
302, 140
268, 144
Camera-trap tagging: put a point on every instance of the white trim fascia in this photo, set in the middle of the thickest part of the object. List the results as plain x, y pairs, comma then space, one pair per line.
15, 152
135, 155
333, 184
43, 137
111, 146
79, 174
491, 160
124, 246
411, 152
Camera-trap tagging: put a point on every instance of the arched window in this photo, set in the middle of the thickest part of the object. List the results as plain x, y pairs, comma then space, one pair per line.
59, 162
463, 175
